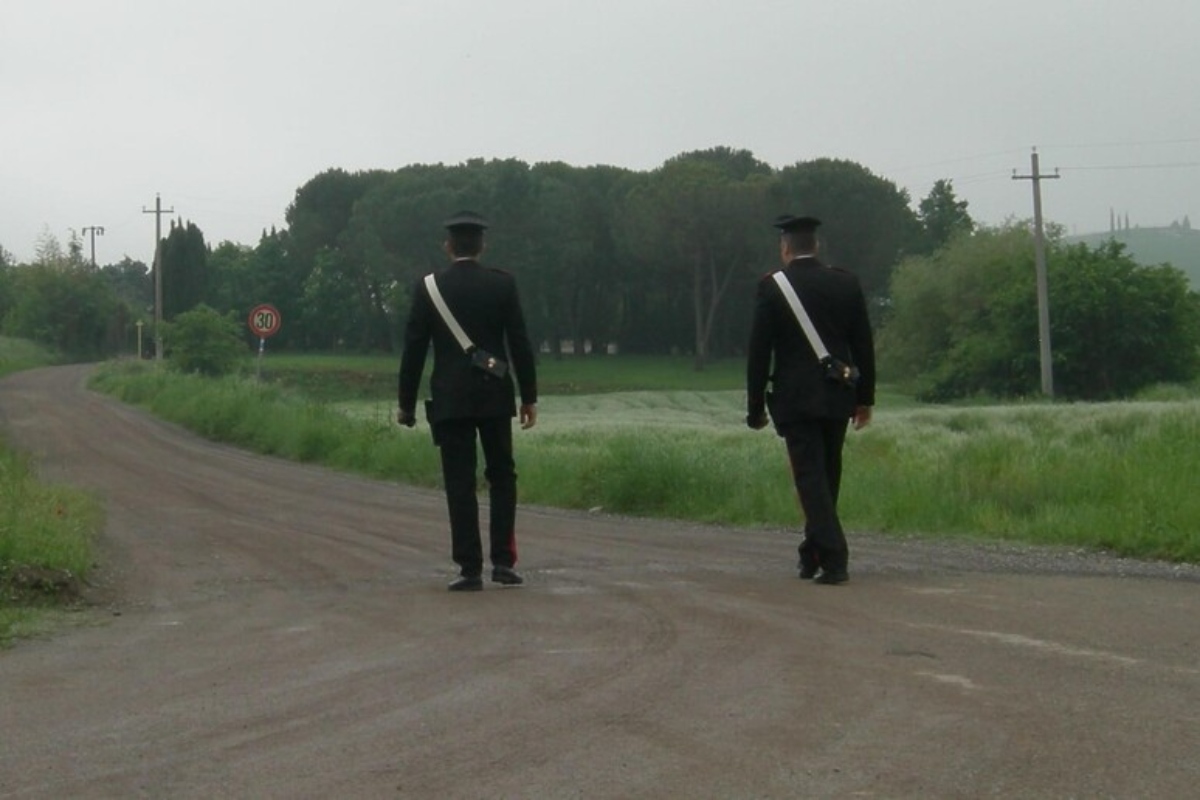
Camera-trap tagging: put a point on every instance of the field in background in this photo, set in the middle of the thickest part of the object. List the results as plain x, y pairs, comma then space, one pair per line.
365, 377
348, 377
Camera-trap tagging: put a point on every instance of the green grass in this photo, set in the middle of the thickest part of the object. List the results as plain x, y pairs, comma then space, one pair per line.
337, 377
1117, 476
1108, 476
45, 531
43, 526
19, 354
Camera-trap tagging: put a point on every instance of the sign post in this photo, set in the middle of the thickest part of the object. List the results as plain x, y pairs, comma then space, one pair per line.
264, 321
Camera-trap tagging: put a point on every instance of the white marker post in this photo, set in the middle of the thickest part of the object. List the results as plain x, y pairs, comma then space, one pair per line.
264, 321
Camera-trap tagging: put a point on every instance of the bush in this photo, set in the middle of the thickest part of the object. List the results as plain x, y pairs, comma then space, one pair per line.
202, 341
964, 321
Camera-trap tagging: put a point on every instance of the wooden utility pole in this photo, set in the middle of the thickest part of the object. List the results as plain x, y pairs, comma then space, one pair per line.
93, 230
158, 211
1039, 251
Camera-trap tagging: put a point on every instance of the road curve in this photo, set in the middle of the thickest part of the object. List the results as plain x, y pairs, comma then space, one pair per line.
273, 630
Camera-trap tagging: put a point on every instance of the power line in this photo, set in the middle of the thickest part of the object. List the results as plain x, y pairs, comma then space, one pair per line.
1115, 167
1100, 145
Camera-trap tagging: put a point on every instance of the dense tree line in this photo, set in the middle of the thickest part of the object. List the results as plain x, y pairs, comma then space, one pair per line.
62, 301
651, 262
661, 261
658, 261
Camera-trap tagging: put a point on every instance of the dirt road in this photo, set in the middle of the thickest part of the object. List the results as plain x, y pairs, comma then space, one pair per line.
271, 630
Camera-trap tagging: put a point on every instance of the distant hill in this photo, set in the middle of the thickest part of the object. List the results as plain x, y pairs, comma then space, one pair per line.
1176, 245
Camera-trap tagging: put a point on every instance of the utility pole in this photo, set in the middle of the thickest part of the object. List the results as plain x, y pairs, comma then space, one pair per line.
158, 211
1039, 251
93, 230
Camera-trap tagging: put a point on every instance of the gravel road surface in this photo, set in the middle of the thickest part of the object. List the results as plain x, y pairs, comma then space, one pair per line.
262, 629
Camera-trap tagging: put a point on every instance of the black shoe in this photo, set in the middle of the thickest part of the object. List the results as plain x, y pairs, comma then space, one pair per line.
506, 576
832, 577
466, 583
808, 567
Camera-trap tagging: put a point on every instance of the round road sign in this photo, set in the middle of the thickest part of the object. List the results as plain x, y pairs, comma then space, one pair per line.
264, 320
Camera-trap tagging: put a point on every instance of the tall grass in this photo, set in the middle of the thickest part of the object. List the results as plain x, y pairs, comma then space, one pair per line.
45, 531
1114, 476
271, 420
1119, 476
43, 526
19, 354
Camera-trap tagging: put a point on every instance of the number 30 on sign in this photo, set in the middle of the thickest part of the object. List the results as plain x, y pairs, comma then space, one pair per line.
264, 320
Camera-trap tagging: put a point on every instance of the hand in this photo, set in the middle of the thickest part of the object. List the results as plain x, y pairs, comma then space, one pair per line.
862, 417
528, 415
406, 418
757, 421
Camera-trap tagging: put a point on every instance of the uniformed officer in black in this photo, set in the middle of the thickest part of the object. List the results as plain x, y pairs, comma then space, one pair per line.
469, 402
810, 410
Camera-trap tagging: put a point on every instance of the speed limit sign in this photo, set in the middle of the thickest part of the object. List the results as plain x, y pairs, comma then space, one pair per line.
264, 320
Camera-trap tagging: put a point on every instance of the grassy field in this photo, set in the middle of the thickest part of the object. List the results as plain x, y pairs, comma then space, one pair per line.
45, 531
374, 377
339, 378
1109, 476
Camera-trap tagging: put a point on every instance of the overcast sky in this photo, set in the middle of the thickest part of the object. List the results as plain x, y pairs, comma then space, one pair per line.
226, 108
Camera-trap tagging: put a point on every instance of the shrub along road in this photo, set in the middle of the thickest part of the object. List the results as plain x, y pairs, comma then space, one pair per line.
266, 629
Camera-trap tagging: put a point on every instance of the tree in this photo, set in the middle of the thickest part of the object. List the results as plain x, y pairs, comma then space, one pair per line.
649, 259
6, 288
329, 308
1118, 327
72, 310
184, 269
132, 283
391, 237
231, 278
571, 283
317, 220
867, 222
701, 216
943, 216
964, 320
48, 252
273, 278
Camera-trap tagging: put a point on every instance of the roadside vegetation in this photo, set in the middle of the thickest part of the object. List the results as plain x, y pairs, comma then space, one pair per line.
19, 354
1112, 476
46, 532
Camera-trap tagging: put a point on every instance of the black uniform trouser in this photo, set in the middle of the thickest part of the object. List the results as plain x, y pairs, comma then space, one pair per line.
456, 440
815, 451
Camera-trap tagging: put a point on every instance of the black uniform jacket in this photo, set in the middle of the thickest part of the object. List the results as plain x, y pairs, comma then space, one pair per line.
486, 305
838, 310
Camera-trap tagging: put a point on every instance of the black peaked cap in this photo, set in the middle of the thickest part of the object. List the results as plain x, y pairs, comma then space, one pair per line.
789, 223
466, 220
